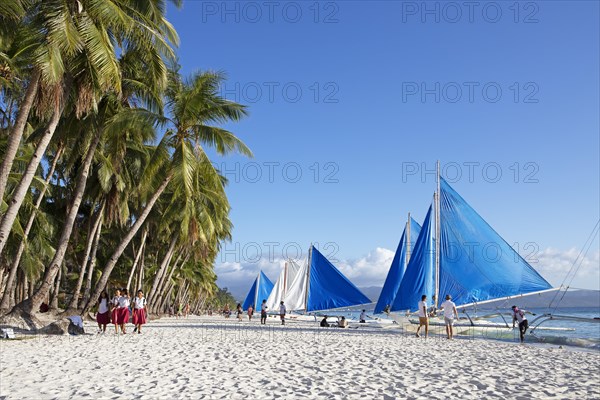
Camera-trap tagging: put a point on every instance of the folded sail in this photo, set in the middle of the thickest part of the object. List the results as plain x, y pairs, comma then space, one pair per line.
419, 275
295, 296
260, 290
397, 269
476, 263
328, 288
284, 282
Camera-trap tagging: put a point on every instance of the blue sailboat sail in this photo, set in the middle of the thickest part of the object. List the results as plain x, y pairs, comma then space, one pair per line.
328, 288
397, 269
260, 290
419, 275
476, 263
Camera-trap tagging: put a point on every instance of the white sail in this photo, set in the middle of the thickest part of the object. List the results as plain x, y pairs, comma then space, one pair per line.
295, 296
285, 280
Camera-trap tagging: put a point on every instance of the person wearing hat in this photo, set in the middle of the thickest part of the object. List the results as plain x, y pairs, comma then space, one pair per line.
449, 313
519, 315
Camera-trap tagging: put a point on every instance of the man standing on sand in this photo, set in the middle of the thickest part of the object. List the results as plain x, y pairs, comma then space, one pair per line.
282, 311
263, 312
449, 314
423, 321
519, 315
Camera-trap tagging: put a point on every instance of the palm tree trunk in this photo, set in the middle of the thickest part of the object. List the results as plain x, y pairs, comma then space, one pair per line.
140, 281
124, 243
158, 308
86, 258
14, 138
90, 271
59, 255
21, 190
163, 266
162, 291
56, 292
137, 257
5, 303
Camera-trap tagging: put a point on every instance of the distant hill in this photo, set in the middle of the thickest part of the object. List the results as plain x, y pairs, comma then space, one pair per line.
372, 292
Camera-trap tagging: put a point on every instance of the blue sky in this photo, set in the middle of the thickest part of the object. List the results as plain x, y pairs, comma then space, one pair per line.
361, 97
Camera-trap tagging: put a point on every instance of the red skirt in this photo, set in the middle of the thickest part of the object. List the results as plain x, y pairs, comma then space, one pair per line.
115, 316
103, 319
123, 315
139, 316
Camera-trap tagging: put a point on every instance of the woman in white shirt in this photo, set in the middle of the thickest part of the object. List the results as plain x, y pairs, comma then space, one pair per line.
139, 311
103, 314
123, 312
115, 309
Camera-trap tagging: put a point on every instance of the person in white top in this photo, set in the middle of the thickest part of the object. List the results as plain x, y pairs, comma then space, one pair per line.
115, 309
103, 314
139, 312
423, 320
282, 311
449, 313
123, 310
362, 319
263, 312
519, 315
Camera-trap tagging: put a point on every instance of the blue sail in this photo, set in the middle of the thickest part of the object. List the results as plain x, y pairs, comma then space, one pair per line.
397, 269
260, 290
419, 275
476, 264
328, 288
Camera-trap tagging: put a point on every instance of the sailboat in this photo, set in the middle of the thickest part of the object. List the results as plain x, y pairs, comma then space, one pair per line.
319, 285
286, 277
398, 267
459, 254
259, 291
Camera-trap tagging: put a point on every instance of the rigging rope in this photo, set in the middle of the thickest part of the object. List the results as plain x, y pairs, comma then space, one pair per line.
575, 267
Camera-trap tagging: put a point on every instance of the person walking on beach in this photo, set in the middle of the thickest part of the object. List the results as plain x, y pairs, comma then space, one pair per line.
519, 315
363, 317
263, 312
187, 309
250, 312
123, 312
423, 320
282, 311
103, 315
239, 312
115, 309
449, 314
139, 312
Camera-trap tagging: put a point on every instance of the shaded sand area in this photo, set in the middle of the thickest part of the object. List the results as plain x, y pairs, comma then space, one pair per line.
211, 357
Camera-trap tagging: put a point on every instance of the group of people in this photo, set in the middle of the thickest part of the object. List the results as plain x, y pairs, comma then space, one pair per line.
450, 313
263, 312
117, 311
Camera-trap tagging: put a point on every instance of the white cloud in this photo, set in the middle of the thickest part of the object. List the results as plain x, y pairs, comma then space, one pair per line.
372, 269
555, 265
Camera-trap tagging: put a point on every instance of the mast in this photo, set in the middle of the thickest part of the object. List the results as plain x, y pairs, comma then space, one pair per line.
307, 278
256, 291
436, 199
285, 269
408, 249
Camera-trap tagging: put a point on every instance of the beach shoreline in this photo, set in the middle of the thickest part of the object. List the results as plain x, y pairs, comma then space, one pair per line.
214, 357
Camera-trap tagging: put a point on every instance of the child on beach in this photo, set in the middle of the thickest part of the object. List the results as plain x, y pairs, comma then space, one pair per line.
123, 311
139, 311
115, 309
239, 312
263, 312
103, 315
250, 312
282, 311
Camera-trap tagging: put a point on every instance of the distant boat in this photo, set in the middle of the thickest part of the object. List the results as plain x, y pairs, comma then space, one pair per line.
259, 291
398, 267
319, 285
457, 253
286, 277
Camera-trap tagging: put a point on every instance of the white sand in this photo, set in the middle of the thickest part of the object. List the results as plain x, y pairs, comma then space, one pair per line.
210, 357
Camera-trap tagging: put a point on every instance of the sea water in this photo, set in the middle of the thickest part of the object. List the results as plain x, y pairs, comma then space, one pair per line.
584, 333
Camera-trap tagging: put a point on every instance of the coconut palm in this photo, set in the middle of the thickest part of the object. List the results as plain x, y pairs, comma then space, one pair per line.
192, 107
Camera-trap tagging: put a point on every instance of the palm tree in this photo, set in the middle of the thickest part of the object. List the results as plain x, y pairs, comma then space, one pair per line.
191, 106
